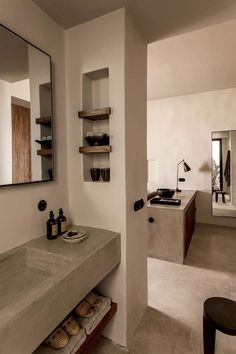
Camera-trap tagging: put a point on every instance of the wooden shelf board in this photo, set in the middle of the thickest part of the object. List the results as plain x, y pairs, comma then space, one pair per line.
95, 149
96, 114
44, 152
95, 335
44, 120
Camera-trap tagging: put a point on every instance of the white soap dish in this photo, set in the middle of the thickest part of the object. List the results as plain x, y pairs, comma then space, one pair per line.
74, 236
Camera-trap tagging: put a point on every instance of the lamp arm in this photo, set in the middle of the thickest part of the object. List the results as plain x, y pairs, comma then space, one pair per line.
177, 182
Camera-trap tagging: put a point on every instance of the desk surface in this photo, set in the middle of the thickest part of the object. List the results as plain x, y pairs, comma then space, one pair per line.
186, 197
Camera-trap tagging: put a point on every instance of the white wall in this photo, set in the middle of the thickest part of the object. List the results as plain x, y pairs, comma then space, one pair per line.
5, 133
103, 43
91, 46
39, 73
20, 224
136, 172
21, 89
180, 127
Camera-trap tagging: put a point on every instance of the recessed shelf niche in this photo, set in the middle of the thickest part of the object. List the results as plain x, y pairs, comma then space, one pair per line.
95, 118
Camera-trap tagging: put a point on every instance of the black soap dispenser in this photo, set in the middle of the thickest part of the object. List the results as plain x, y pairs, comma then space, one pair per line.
61, 223
51, 227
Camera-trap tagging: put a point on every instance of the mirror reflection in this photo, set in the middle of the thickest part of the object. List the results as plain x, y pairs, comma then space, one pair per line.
25, 112
223, 173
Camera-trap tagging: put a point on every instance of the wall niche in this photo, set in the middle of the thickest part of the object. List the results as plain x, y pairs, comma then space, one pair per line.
95, 122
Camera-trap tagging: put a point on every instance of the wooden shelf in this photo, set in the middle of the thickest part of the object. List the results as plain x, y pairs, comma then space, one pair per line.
44, 152
96, 114
94, 149
44, 120
95, 335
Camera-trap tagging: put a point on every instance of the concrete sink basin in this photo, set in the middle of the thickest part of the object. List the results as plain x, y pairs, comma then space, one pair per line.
24, 270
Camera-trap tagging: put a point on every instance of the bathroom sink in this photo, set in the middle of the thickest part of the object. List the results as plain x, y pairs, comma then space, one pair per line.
26, 269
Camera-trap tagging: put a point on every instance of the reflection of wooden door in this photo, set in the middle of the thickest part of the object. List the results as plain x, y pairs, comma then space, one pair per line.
21, 144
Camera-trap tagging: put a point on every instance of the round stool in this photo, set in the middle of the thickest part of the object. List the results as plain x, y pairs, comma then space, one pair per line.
218, 314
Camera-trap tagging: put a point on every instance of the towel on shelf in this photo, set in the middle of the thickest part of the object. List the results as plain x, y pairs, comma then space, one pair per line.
79, 344
72, 346
90, 323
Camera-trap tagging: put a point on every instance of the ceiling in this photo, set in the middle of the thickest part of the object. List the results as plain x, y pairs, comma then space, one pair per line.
192, 41
14, 57
157, 19
203, 60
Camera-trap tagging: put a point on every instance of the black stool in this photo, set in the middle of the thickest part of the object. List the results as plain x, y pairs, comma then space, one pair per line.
218, 314
222, 195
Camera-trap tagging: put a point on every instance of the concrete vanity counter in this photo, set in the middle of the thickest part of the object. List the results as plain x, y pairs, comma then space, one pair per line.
170, 234
42, 281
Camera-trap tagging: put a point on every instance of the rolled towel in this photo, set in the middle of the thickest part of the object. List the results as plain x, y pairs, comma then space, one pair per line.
89, 324
96, 323
68, 349
79, 344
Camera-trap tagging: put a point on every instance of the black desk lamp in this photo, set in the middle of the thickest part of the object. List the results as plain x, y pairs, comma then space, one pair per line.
186, 169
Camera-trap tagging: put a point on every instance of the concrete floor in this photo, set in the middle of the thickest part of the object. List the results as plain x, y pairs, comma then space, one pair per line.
172, 323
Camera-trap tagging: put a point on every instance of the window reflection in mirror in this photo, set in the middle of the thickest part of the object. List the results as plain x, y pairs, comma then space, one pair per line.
223, 173
25, 112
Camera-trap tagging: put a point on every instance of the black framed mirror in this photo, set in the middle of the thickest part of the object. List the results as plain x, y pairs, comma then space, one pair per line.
26, 117
223, 173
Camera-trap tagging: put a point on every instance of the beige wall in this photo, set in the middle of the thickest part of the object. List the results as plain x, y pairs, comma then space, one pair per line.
180, 127
20, 218
91, 46
95, 45
136, 172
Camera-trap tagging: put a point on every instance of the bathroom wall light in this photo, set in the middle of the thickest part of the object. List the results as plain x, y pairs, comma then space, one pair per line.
186, 169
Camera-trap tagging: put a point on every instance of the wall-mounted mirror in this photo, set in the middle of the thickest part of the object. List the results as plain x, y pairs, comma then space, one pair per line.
26, 153
223, 173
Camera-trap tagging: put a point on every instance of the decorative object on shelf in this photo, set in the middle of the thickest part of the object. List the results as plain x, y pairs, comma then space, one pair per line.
97, 139
45, 143
96, 114
165, 192
95, 174
105, 173
186, 169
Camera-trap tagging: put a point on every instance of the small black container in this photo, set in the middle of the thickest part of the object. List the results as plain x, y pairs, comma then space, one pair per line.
51, 227
97, 140
105, 173
61, 223
165, 192
95, 174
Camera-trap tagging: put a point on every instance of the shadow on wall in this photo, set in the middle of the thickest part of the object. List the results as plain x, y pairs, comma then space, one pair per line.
205, 167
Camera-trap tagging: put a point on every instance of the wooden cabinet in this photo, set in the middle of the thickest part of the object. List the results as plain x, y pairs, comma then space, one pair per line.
189, 226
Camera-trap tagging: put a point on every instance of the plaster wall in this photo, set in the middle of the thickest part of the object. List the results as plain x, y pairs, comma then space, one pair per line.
5, 133
180, 127
136, 172
113, 42
91, 46
21, 224
21, 89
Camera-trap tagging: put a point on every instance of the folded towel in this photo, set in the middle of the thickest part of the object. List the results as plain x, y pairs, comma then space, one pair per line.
68, 349
79, 344
96, 323
89, 324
